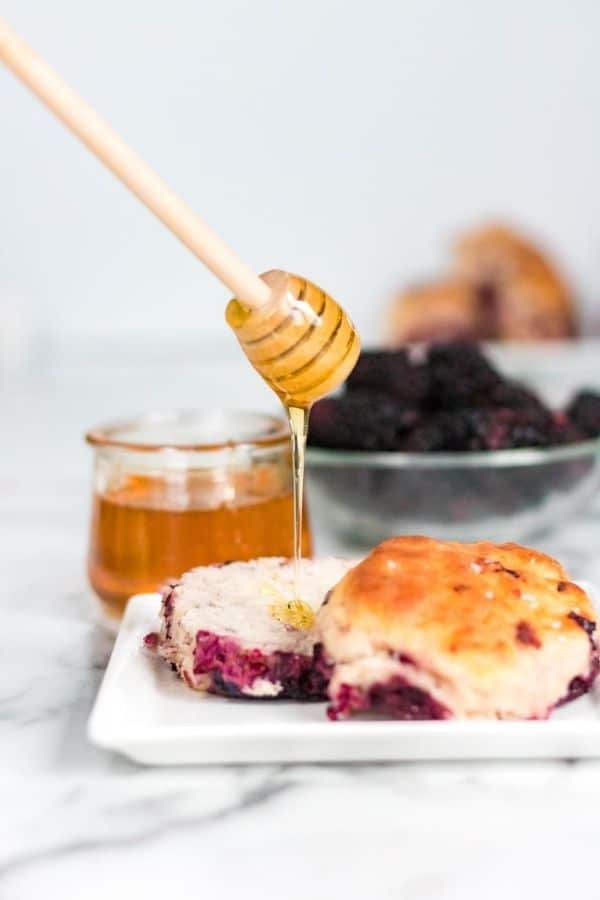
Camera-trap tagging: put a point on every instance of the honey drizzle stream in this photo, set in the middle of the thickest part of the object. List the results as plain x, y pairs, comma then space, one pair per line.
298, 418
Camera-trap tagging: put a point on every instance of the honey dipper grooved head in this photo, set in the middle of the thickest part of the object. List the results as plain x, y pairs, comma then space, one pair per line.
301, 342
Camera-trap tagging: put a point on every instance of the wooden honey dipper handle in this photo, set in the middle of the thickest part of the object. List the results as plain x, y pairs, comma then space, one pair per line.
135, 174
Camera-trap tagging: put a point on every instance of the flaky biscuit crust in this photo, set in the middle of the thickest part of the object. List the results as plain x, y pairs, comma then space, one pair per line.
486, 629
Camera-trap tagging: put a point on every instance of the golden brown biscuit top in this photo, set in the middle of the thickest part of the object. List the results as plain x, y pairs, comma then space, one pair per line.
498, 250
485, 602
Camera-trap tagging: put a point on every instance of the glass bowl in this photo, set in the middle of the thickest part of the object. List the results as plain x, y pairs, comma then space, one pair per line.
502, 495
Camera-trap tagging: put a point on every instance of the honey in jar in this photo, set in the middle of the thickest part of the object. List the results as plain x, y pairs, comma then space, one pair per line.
173, 492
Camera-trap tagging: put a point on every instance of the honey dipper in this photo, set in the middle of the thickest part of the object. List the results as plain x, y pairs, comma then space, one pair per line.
294, 334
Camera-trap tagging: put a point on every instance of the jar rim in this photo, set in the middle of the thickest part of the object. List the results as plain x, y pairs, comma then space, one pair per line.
243, 428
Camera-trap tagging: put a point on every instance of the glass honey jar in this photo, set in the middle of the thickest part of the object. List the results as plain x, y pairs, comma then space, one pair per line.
177, 490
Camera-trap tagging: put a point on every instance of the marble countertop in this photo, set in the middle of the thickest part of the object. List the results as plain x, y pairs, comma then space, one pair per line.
79, 822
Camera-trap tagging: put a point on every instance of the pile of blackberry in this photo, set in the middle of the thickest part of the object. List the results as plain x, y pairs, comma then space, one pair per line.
448, 397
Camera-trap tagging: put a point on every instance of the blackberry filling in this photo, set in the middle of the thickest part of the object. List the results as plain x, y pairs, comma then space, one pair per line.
234, 670
583, 683
392, 699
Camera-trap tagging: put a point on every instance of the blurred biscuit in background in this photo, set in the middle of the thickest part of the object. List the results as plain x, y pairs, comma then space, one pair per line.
500, 287
441, 310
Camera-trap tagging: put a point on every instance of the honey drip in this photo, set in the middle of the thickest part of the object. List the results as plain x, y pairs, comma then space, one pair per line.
298, 419
293, 613
303, 345
289, 610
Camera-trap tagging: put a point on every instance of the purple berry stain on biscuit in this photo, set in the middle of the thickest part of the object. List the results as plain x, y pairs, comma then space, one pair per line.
525, 634
234, 670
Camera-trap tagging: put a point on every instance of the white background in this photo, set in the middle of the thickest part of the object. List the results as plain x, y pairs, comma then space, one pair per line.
348, 141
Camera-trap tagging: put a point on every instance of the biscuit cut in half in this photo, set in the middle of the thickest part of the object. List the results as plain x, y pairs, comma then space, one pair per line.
238, 629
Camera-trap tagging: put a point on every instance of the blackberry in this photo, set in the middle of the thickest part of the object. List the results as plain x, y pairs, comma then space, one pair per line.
440, 431
454, 401
513, 395
390, 372
509, 429
564, 431
481, 429
459, 376
584, 413
359, 421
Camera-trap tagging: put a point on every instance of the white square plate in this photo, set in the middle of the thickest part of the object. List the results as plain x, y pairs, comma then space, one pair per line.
144, 711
